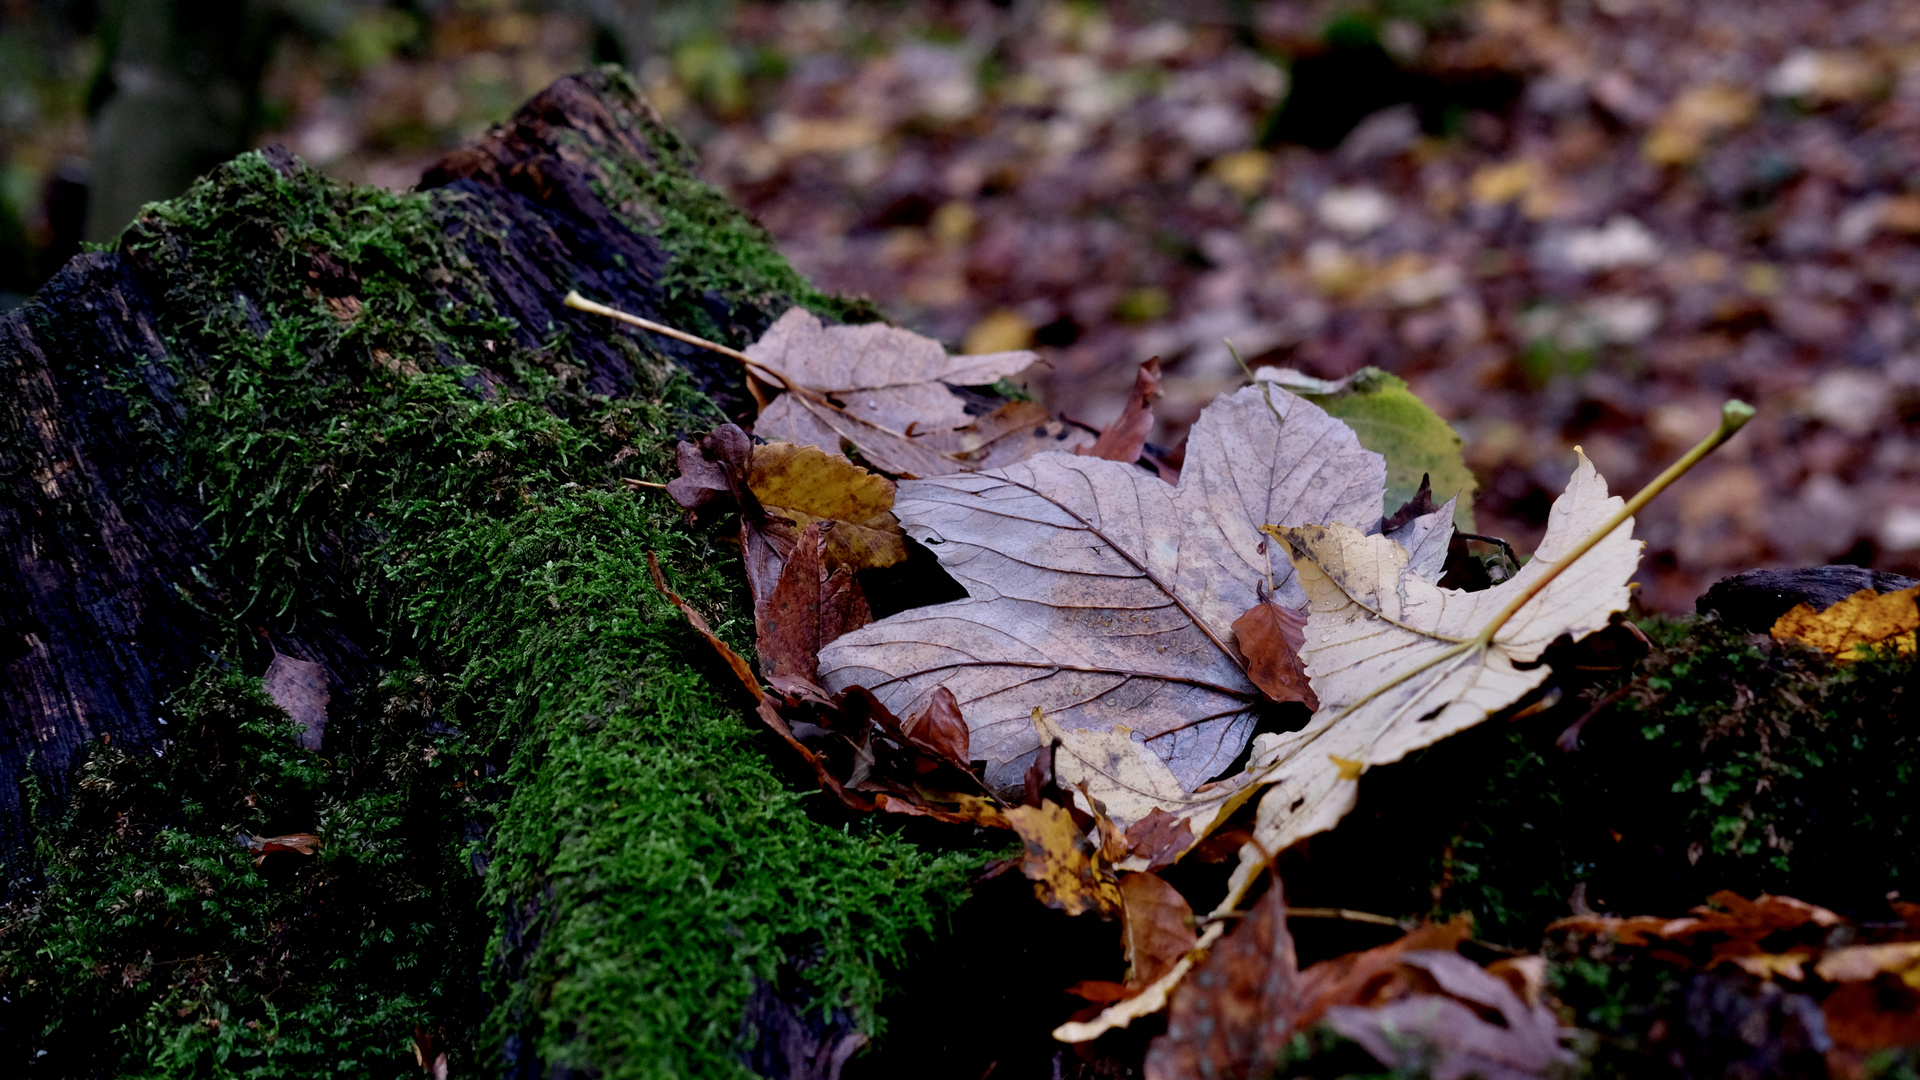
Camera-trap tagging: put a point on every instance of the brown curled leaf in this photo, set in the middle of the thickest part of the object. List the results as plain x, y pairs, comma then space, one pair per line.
1126, 438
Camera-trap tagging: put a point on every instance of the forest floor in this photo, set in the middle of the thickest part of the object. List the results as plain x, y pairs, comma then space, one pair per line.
1564, 223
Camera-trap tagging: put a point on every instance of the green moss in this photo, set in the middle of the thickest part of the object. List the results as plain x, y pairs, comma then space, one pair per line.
643, 861
1729, 762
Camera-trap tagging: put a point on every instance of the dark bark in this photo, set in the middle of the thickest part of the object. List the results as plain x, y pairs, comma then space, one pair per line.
110, 596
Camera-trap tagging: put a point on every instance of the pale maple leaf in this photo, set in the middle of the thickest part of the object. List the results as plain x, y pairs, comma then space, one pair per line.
1106, 597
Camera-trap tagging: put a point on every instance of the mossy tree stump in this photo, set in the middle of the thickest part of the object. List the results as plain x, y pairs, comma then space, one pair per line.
360, 429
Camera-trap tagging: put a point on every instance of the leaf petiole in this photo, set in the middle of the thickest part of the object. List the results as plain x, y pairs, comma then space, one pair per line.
1733, 416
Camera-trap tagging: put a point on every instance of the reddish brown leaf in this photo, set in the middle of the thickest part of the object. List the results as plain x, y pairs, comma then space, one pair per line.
789, 625
733, 660
1126, 438
1231, 1017
1039, 777
843, 605
1270, 636
939, 729
1159, 838
1157, 925
1419, 506
1368, 978
262, 846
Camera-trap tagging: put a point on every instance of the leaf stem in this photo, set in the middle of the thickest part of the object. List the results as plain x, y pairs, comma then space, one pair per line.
580, 303
1733, 416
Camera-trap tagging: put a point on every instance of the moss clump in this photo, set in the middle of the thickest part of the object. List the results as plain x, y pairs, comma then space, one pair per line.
408, 472
155, 947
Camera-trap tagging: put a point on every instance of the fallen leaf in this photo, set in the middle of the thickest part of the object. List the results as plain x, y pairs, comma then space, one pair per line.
1113, 770
804, 484
1269, 637
712, 471
1158, 839
808, 607
1696, 116
878, 388
1061, 861
1417, 444
1356, 978
1157, 926
1419, 506
1768, 935
939, 729
300, 688
1860, 963
1864, 621
1445, 1036
1104, 595
1398, 661
1231, 1019
1126, 438
263, 846
779, 489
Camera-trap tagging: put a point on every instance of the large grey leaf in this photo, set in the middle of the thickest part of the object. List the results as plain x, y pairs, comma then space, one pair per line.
1103, 596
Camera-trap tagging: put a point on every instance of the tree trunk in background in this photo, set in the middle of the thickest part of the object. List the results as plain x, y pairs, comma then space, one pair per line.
179, 93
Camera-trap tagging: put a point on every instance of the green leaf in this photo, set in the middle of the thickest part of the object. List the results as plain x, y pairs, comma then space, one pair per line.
1398, 426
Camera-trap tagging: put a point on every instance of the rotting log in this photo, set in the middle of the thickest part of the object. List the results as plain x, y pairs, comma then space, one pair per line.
282, 415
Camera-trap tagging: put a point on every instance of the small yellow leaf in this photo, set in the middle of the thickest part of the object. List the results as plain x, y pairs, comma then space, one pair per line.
1000, 331
1349, 770
1062, 862
1861, 621
804, 484
1245, 172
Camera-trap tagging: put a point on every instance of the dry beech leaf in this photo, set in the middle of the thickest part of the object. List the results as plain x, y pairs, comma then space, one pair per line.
1061, 861
1158, 839
1157, 927
886, 391
300, 687
1394, 660
1105, 596
1861, 621
804, 484
1270, 636
1126, 438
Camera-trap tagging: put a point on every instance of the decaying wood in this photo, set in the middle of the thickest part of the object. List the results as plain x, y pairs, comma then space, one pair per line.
107, 579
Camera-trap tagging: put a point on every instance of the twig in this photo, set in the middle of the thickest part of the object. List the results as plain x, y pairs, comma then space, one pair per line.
631, 482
